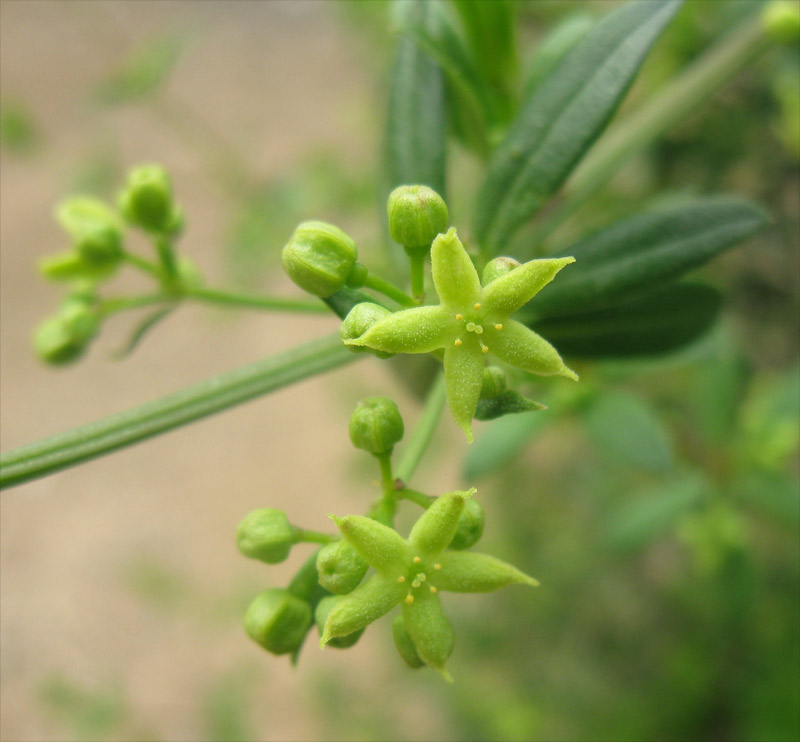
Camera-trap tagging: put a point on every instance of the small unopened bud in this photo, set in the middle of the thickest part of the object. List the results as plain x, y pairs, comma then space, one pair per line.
147, 201
64, 338
498, 267
278, 620
324, 607
405, 644
376, 425
100, 246
319, 258
340, 567
493, 383
265, 534
416, 215
781, 20
358, 320
470, 526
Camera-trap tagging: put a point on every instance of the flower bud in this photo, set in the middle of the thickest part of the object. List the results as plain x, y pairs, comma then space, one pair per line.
101, 246
416, 215
781, 20
324, 607
470, 526
358, 320
265, 534
63, 338
278, 620
147, 199
340, 567
405, 644
376, 425
498, 267
319, 258
95, 229
493, 382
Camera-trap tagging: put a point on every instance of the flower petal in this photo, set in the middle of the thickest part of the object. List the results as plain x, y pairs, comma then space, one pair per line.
429, 629
454, 276
415, 330
435, 528
471, 572
382, 547
463, 375
507, 294
367, 603
522, 347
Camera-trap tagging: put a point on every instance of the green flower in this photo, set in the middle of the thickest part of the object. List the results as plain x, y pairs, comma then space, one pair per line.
470, 321
411, 573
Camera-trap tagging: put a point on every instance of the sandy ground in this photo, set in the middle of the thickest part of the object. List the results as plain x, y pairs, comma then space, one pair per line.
76, 545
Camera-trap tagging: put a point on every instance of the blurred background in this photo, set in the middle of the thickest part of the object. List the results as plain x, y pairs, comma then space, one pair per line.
658, 505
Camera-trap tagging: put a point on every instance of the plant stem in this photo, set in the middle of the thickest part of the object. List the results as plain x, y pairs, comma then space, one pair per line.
230, 298
415, 496
123, 303
166, 254
213, 395
677, 99
421, 437
143, 265
312, 537
390, 290
417, 276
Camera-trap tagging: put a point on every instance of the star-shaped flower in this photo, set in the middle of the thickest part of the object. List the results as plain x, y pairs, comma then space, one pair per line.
412, 573
470, 321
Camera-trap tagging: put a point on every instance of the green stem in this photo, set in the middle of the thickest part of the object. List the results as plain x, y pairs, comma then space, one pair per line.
417, 276
312, 537
421, 437
166, 254
680, 97
143, 265
233, 299
386, 507
390, 290
415, 496
123, 303
214, 395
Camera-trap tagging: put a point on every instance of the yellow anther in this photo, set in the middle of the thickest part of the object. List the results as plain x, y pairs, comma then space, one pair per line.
498, 326
477, 306
421, 577
417, 560
459, 316
409, 599
458, 341
401, 579
484, 349
433, 589
416, 583
437, 566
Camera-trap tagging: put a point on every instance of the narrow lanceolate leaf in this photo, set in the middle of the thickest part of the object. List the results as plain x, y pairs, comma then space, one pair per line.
640, 253
416, 127
659, 322
214, 395
565, 115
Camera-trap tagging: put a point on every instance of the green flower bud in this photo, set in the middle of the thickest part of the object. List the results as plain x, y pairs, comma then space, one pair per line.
358, 320
493, 382
376, 425
416, 215
147, 199
781, 20
70, 266
319, 258
100, 246
189, 273
498, 267
341, 568
358, 276
324, 607
405, 644
63, 338
95, 229
265, 534
278, 621
470, 526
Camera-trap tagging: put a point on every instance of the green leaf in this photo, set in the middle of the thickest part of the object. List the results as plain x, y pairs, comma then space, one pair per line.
214, 395
416, 127
628, 430
644, 518
506, 403
659, 322
142, 73
500, 443
565, 115
637, 254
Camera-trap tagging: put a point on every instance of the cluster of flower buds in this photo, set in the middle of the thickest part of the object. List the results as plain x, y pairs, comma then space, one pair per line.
370, 569
97, 234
